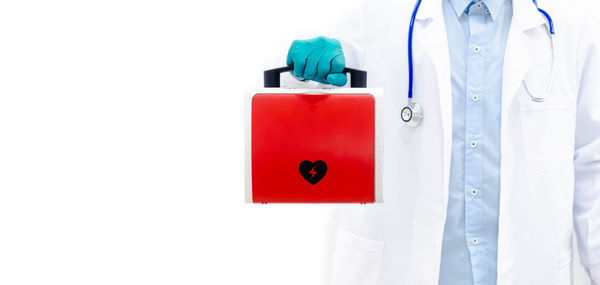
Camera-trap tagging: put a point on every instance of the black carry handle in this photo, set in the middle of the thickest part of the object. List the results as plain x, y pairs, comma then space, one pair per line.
358, 78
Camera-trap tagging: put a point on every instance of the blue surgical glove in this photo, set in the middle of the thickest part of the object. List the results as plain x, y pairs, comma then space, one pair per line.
320, 59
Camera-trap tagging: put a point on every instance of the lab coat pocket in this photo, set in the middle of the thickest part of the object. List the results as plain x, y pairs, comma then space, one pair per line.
548, 132
356, 260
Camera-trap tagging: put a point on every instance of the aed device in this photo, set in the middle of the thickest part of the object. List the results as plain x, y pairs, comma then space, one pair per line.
314, 145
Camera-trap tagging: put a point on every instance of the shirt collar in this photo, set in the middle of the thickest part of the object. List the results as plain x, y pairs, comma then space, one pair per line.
460, 6
494, 6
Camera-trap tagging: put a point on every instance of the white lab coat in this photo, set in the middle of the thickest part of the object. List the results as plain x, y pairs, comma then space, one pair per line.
550, 162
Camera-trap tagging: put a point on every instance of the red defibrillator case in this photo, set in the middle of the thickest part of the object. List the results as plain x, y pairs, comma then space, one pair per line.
314, 145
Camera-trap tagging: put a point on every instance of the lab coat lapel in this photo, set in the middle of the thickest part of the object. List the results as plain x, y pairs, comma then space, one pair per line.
430, 33
517, 62
519, 50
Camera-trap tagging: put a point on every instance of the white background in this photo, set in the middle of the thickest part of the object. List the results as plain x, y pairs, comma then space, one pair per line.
121, 144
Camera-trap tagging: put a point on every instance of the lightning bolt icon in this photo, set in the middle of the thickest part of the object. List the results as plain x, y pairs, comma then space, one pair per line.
312, 172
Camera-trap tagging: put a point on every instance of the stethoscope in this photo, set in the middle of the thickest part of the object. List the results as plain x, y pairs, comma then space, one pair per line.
412, 114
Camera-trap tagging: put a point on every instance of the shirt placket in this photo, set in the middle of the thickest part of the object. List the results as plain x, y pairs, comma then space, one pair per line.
474, 139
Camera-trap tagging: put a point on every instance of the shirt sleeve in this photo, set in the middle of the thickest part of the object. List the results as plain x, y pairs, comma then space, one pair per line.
586, 206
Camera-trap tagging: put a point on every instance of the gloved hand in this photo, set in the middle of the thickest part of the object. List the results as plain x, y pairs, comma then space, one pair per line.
320, 59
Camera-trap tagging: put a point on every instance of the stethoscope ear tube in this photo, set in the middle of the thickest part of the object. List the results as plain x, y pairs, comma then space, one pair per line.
358, 78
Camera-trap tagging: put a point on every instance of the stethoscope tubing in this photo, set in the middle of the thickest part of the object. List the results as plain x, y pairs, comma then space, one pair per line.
414, 111
410, 48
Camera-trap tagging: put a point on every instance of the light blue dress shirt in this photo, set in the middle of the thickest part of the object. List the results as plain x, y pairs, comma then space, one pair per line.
477, 32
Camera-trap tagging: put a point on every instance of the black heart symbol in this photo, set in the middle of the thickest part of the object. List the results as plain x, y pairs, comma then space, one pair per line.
313, 172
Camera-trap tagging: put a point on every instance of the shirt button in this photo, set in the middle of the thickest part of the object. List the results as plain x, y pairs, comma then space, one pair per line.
473, 191
473, 144
475, 241
475, 97
476, 49
487, 11
478, 6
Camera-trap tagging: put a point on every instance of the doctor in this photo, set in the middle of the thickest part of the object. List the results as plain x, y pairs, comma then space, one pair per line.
488, 188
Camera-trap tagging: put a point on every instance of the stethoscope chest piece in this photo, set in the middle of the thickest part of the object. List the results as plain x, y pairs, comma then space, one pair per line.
412, 114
